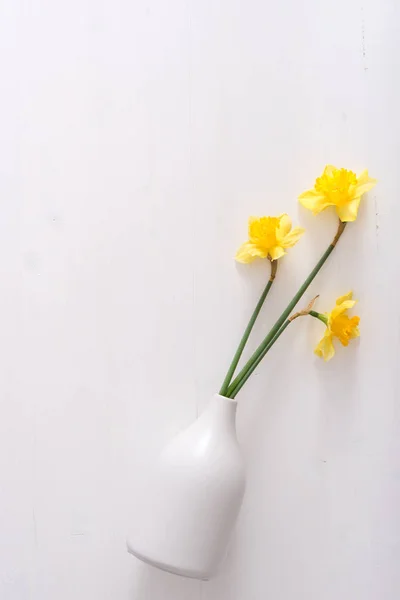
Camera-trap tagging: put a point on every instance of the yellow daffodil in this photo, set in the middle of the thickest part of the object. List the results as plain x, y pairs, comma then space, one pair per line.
338, 325
268, 237
339, 188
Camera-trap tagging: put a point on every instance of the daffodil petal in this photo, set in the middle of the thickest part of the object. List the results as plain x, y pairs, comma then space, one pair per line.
348, 296
340, 325
285, 225
364, 183
325, 348
348, 212
329, 170
276, 252
248, 252
355, 329
341, 308
314, 201
292, 238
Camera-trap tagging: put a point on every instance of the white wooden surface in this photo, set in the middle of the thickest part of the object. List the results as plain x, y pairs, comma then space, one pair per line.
136, 138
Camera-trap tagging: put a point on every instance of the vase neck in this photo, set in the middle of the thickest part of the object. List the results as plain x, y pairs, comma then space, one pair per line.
221, 411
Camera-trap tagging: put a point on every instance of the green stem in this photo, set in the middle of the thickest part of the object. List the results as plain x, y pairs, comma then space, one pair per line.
262, 349
246, 334
319, 316
233, 391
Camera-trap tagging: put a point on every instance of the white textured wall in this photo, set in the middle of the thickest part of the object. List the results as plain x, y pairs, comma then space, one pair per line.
136, 138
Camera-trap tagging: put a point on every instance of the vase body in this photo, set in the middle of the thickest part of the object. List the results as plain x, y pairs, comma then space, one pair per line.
186, 512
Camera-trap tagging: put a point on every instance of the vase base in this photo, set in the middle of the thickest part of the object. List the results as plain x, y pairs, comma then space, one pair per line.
190, 573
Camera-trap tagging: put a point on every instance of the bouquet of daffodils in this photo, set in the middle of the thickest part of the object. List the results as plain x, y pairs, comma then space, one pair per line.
269, 237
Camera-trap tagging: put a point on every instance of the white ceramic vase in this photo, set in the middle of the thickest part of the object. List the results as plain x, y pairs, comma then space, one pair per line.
186, 512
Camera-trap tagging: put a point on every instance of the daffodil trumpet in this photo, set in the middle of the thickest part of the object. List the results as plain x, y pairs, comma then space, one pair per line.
281, 323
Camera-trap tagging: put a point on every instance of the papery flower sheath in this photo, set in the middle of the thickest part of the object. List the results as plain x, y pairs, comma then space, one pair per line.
339, 188
268, 237
338, 325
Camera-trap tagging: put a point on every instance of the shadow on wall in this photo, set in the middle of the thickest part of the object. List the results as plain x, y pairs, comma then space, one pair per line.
153, 584
339, 393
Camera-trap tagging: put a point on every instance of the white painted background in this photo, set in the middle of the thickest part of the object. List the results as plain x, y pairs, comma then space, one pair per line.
136, 138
